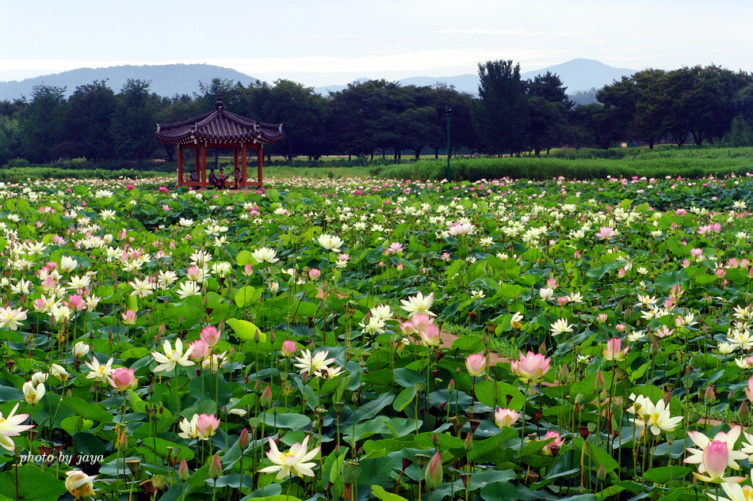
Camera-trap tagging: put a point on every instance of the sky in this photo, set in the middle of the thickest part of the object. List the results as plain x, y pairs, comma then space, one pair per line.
326, 42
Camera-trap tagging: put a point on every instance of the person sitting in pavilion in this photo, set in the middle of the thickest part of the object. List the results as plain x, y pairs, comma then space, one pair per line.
213, 179
237, 177
222, 180
194, 177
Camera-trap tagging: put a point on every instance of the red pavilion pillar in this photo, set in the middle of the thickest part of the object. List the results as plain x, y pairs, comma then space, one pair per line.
204, 166
244, 163
180, 165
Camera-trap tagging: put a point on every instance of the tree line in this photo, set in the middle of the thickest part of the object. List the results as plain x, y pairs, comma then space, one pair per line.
379, 118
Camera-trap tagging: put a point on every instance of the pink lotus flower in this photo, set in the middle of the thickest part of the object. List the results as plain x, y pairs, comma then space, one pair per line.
76, 302
663, 331
200, 349
210, 335
505, 418
314, 273
605, 232
424, 325
551, 283
129, 317
556, 444
206, 425
394, 248
614, 351
714, 456
288, 348
122, 379
562, 300
530, 367
195, 274
476, 364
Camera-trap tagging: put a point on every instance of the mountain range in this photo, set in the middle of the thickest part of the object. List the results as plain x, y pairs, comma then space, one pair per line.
578, 75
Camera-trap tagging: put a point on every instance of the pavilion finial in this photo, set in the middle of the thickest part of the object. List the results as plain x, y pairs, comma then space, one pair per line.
218, 105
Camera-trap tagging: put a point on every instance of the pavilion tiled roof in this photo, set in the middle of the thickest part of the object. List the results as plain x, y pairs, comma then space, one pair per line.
217, 127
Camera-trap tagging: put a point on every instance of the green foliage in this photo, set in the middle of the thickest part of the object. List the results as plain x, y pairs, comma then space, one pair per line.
585, 164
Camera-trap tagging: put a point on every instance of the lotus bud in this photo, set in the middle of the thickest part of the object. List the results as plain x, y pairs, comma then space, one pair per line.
468, 444
451, 386
564, 374
601, 474
667, 397
744, 411
266, 397
183, 473
244, 439
599, 382
215, 467
434, 472
710, 396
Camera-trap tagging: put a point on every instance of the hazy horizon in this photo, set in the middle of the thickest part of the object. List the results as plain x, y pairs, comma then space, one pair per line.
339, 41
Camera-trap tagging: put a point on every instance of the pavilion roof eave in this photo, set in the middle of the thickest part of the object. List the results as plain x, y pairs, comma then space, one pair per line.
219, 127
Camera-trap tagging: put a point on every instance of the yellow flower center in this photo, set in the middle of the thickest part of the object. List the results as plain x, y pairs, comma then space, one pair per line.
654, 419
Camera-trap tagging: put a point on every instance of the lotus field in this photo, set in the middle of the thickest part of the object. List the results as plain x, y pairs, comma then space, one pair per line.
377, 339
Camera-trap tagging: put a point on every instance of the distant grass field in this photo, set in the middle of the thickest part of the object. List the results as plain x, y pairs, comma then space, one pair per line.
664, 161
315, 172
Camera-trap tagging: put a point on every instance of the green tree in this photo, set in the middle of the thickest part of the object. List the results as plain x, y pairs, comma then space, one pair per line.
134, 121
304, 115
363, 120
10, 130
651, 107
501, 114
548, 106
416, 128
90, 110
43, 123
619, 100
441, 97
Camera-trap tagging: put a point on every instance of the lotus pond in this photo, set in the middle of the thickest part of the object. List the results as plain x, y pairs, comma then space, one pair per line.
293, 343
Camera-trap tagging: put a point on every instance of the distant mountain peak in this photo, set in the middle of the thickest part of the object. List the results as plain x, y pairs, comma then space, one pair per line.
578, 75
165, 79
